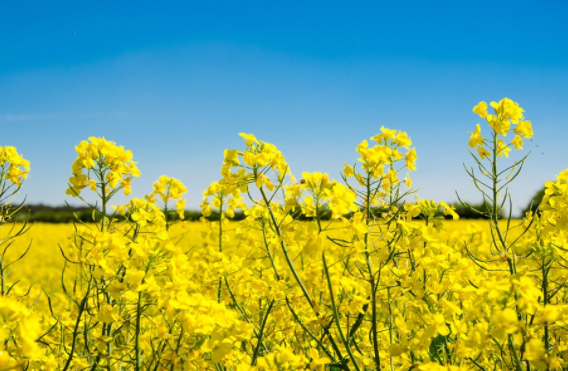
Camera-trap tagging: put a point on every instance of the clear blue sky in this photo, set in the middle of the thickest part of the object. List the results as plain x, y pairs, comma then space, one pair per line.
176, 82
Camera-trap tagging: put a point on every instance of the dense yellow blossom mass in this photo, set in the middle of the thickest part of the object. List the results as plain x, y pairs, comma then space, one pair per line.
346, 274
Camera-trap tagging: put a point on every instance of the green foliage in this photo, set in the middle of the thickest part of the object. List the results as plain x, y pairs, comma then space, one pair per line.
65, 214
481, 210
59, 214
534, 202
194, 215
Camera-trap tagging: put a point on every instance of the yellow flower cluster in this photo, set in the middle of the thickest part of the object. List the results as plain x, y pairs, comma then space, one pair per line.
19, 330
555, 203
13, 167
375, 160
323, 195
107, 167
225, 197
506, 112
19, 326
170, 189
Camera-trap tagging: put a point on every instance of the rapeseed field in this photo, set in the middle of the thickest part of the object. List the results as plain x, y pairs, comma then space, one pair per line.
384, 283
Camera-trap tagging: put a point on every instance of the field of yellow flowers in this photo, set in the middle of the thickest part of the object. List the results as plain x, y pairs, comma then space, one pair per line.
43, 264
384, 283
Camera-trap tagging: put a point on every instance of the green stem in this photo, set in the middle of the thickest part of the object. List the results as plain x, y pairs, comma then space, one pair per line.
298, 320
494, 215
258, 344
220, 289
336, 315
372, 282
77, 323
545, 300
104, 201
285, 251
2, 276
137, 339
243, 313
515, 355
390, 326
294, 272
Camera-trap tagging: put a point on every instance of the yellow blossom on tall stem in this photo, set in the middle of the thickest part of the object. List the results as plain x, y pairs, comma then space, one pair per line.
169, 189
109, 165
13, 167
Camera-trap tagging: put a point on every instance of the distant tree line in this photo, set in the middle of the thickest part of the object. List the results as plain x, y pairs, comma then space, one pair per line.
67, 214
57, 214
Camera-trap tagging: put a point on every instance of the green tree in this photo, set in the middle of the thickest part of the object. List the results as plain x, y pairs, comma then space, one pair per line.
534, 202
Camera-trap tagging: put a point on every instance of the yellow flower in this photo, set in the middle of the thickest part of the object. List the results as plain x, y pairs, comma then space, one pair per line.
505, 323
536, 354
342, 200
402, 140
180, 206
501, 126
231, 157
483, 153
408, 181
549, 315
169, 189
249, 139
385, 136
506, 109
481, 109
348, 171
475, 138
92, 184
524, 129
411, 158
396, 350
108, 163
517, 142
449, 210
14, 167
502, 148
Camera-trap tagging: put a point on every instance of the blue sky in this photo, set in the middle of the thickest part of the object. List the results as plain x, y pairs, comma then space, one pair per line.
176, 82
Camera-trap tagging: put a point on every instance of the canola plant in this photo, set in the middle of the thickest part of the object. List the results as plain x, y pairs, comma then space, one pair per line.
379, 285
